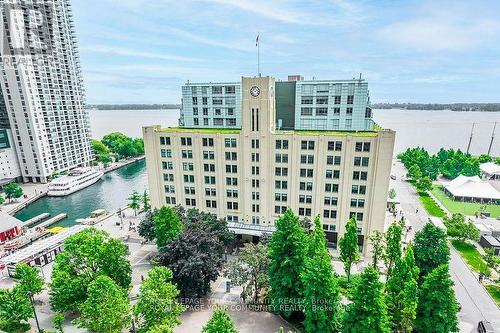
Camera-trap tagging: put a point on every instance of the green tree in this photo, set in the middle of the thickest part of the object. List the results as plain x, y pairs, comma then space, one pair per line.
167, 226
157, 303
220, 322
430, 248
287, 250
458, 227
424, 184
367, 312
161, 328
483, 158
13, 191
29, 281
379, 247
58, 322
392, 193
101, 151
402, 293
106, 308
146, 205
134, 202
393, 246
87, 255
492, 260
2, 201
348, 245
437, 307
414, 172
15, 310
321, 294
250, 269
147, 226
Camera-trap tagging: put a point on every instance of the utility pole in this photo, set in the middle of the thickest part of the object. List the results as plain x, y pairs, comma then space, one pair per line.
470, 138
30, 294
492, 137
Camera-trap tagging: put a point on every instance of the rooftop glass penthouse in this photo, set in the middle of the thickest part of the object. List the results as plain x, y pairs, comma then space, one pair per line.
335, 105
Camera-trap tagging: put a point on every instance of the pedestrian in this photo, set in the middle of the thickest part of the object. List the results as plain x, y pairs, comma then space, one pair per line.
416, 211
142, 278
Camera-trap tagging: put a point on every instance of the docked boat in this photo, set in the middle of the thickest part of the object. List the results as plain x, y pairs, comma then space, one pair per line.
75, 180
95, 217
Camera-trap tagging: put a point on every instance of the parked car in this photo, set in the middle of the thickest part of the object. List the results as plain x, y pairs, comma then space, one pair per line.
393, 177
485, 327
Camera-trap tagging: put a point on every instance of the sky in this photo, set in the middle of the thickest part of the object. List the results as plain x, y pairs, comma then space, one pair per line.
143, 51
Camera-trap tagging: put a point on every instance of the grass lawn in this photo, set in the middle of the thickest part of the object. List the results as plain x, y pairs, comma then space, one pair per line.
466, 208
494, 291
470, 254
430, 206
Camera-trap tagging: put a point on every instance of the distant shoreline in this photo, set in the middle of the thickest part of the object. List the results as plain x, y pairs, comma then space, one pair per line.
457, 107
107, 107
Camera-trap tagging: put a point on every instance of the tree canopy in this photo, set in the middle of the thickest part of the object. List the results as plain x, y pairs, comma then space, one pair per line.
106, 308
157, 302
287, 249
86, 256
450, 163
430, 248
13, 191
167, 226
457, 226
122, 145
348, 245
437, 307
220, 322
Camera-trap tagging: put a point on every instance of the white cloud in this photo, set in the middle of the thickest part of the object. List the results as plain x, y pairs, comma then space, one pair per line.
139, 54
441, 33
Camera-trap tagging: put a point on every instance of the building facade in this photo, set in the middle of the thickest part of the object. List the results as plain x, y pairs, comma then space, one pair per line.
9, 166
251, 175
42, 87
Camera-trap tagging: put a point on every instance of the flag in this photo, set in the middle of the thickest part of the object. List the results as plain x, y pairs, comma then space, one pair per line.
257, 40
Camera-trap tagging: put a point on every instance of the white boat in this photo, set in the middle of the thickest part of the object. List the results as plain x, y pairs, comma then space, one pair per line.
95, 217
75, 180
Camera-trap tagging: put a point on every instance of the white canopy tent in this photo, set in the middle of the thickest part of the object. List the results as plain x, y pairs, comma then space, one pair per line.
490, 170
472, 189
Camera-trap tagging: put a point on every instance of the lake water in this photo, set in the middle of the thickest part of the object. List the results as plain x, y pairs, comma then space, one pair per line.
429, 129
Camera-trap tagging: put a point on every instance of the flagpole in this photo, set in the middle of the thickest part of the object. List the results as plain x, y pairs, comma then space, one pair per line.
258, 54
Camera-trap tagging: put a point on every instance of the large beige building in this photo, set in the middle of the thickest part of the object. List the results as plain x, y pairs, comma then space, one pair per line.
250, 175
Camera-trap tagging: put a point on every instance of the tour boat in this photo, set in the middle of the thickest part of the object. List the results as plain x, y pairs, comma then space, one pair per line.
75, 180
95, 217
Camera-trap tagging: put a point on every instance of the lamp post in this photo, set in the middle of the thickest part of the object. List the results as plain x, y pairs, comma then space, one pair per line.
32, 301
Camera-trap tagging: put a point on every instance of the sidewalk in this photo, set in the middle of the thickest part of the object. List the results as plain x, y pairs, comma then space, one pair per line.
32, 192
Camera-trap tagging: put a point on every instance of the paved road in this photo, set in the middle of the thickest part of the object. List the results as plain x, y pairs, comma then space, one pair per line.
476, 303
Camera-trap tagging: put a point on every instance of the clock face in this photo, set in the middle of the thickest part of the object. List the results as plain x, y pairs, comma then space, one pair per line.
254, 91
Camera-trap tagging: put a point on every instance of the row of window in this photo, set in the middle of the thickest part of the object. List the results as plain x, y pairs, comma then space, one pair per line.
324, 99
322, 111
215, 101
214, 89
217, 111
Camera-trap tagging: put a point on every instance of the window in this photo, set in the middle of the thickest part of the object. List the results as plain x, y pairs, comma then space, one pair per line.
306, 186
216, 89
331, 201
218, 122
366, 146
167, 165
232, 193
189, 178
336, 111
170, 200
364, 161
368, 113
306, 111
196, 121
230, 122
281, 158
337, 99
205, 111
230, 111
232, 181
208, 142
209, 179
186, 142
195, 101
216, 101
322, 100
255, 157
358, 189
309, 145
255, 170
281, 172
255, 183
189, 190
350, 99
362, 146
305, 199
307, 100
307, 159
230, 142
232, 205
194, 90
329, 214
306, 173
357, 161
211, 192
187, 153
230, 89
321, 111
231, 168
205, 121
211, 203
231, 156
255, 195
168, 177
255, 143
164, 140
169, 189
204, 101
281, 144
166, 153
209, 167
281, 197
208, 155
348, 111
331, 188
187, 166
281, 184
280, 209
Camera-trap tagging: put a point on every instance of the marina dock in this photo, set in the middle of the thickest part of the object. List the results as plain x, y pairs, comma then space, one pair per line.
36, 219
